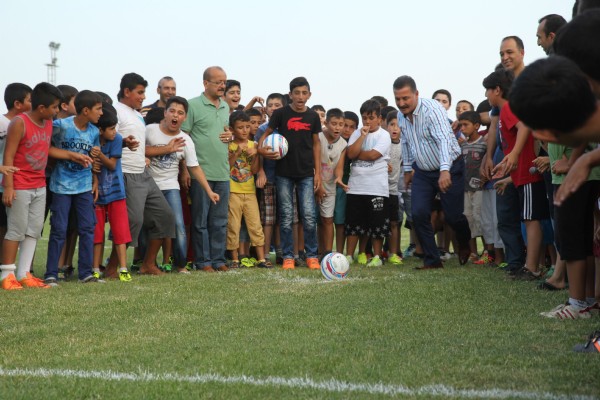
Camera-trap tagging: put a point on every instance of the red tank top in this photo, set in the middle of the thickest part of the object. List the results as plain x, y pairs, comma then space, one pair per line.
32, 154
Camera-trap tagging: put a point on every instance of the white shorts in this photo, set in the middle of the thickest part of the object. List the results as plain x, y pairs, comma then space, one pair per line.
26, 216
473, 212
327, 206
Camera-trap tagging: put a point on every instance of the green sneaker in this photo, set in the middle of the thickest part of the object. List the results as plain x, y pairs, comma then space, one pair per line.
362, 259
248, 262
189, 266
395, 259
97, 274
166, 268
375, 262
124, 275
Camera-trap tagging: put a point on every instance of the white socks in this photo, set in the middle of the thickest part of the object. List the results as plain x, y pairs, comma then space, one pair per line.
7, 269
26, 252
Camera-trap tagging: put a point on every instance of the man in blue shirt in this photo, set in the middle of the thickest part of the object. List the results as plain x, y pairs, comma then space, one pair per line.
432, 161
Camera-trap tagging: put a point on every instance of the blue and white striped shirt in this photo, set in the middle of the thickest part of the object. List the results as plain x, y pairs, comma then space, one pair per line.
428, 140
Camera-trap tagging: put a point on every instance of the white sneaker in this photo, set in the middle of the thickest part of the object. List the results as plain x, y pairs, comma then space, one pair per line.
375, 262
567, 311
444, 255
350, 259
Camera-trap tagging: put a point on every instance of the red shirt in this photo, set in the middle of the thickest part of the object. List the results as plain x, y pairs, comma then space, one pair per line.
508, 131
32, 154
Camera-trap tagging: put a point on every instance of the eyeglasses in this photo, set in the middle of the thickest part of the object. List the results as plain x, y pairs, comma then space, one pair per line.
220, 83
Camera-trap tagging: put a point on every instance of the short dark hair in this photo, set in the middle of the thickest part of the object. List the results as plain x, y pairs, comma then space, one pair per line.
502, 78
299, 82
552, 93
279, 96
177, 100
130, 81
105, 98
517, 40
578, 41
334, 113
369, 107
382, 100
154, 115
68, 92
318, 107
553, 23
484, 106
442, 91
351, 116
391, 116
404, 81
471, 106
253, 112
108, 117
472, 116
86, 98
238, 116
229, 83
44, 94
15, 92
386, 110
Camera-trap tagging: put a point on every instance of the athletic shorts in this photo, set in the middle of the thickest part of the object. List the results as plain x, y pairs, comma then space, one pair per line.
327, 206
533, 201
26, 216
367, 216
394, 208
118, 219
3, 220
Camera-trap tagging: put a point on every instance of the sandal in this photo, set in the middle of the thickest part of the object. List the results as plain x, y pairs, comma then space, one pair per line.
234, 264
545, 285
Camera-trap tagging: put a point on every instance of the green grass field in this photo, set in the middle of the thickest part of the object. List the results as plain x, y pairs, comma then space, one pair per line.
390, 332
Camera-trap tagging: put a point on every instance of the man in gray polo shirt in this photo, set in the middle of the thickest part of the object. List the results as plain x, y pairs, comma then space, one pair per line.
207, 123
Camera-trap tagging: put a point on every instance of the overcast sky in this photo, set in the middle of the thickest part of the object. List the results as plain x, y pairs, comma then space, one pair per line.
349, 50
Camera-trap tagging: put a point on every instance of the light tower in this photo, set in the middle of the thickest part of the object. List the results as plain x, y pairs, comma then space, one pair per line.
52, 66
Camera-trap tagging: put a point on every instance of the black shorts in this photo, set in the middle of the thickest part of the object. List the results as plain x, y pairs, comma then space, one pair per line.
394, 207
367, 216
533, 201
574, 219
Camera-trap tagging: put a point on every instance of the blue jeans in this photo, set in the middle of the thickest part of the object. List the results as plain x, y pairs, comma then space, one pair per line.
424, 189
509, 226
209, 224
180, 243
306, 208
86, 223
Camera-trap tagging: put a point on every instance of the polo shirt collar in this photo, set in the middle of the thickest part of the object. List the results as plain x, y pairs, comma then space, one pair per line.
207, 102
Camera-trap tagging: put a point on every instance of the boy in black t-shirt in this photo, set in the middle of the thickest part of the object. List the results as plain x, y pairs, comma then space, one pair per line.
300, 126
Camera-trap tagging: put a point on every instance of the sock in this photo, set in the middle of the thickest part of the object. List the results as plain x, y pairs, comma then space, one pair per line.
591, 301
7, 269
96, 269
578, 303
122, 269
26, 252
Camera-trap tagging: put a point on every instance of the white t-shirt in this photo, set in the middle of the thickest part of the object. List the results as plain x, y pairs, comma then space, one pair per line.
165, 168
4, 122
131, 122
330, 155
371, 177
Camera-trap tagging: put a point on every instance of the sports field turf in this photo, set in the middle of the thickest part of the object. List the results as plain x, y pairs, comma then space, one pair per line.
389, 332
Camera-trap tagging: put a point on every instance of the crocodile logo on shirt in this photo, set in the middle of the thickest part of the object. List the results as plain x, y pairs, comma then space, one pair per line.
294, 124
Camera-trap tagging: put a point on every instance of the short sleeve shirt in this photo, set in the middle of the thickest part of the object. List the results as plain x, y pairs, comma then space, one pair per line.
131, 123
110, 182
330, 156
298, 129
69, 177
204, 123
164, 169
371, 177
242, 179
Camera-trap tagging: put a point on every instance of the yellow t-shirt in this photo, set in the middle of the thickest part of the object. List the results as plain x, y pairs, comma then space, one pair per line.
241, 177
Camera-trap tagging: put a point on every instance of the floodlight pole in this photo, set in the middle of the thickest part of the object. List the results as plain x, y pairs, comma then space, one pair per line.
52, 66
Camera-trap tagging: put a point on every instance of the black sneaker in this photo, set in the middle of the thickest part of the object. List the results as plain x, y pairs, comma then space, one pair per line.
264, 264
526, 275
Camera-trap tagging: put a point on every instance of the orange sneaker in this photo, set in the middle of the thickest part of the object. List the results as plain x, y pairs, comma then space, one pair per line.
11, 283
32, 281
313, 263
288, 263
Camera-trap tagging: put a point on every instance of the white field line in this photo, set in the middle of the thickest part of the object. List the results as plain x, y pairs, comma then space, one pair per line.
331, 385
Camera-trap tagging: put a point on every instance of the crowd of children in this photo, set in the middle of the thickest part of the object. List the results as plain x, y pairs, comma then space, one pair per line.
341, 182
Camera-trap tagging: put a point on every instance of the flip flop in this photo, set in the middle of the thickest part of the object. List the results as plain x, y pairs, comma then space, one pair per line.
545, 285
